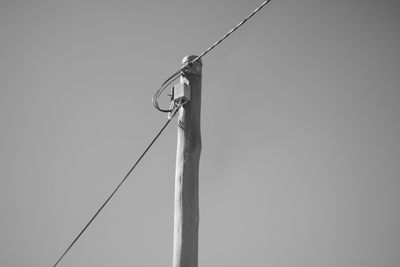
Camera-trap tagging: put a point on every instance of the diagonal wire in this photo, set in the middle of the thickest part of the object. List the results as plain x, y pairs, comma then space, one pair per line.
119, 185
173, 111
229, 33
182, 70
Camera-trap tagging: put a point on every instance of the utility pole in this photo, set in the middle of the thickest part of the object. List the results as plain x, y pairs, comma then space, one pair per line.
186, 203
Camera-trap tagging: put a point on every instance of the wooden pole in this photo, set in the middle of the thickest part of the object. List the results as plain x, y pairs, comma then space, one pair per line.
186, 205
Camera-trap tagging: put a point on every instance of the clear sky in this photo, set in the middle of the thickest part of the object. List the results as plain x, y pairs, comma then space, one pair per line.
300, 125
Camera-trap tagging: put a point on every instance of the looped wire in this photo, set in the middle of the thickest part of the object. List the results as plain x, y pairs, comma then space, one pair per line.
167, 83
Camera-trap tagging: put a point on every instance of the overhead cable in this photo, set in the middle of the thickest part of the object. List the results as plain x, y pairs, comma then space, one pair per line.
176, 108
173, 110
182, 70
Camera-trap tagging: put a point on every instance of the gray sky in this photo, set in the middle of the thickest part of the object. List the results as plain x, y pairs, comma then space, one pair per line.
300, 126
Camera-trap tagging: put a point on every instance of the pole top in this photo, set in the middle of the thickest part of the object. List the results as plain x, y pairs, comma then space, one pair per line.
190, 58
194, 68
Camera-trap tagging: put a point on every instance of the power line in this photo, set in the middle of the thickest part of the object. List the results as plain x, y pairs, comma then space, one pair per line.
119, 185
182, 70
173, 111
230, 32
